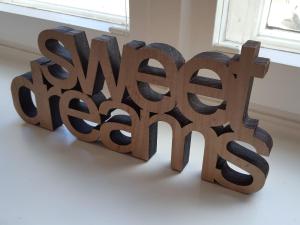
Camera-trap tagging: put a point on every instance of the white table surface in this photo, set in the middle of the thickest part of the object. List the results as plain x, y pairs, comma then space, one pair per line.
52, 178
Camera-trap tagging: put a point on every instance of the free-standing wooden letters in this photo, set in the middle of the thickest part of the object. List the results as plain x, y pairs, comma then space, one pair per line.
68, 84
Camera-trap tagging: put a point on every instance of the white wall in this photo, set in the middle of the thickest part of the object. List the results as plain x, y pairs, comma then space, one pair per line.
185, 24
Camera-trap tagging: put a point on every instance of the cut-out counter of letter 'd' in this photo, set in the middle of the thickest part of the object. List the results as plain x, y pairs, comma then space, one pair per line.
68, 87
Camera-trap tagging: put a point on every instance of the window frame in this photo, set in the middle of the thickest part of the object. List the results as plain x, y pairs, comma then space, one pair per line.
93, 20
28, 23
255, 20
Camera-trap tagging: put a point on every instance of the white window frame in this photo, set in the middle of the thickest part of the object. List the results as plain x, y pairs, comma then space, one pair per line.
254, 22
56, 13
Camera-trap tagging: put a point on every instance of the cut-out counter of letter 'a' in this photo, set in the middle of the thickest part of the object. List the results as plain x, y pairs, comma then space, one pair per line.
68, 83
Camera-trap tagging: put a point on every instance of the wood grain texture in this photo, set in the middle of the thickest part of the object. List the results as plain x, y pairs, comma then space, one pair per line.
68, 87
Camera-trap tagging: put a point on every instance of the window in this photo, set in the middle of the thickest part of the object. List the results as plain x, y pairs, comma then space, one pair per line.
275, 23
112, 11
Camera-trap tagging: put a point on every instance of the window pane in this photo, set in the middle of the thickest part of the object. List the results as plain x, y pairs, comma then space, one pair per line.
284, 14
114, 11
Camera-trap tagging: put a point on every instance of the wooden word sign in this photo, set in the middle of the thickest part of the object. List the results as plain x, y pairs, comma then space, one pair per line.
68, 87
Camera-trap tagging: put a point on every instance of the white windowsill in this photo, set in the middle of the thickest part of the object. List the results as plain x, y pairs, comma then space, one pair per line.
281, 57
64, 18
52, 178
276, 56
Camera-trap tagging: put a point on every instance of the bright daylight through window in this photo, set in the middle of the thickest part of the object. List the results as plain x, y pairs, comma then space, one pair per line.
112, 11
275, 23
285, 15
